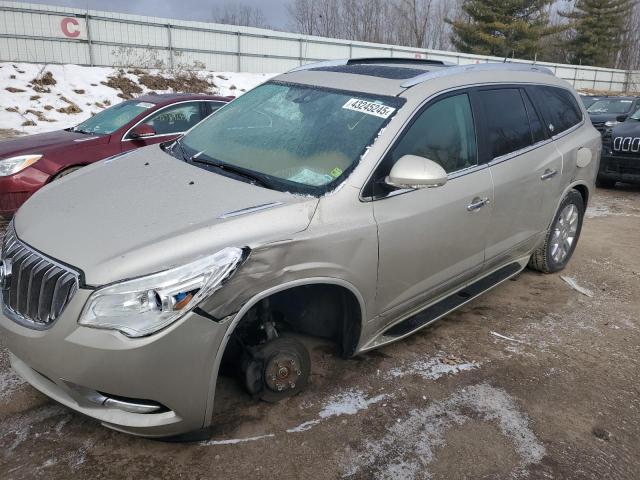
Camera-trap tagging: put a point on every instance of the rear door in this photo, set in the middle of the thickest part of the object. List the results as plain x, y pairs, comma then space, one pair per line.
432, 238
561, 115
525, 166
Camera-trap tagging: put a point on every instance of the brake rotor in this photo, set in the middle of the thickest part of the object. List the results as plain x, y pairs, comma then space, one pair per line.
282, 372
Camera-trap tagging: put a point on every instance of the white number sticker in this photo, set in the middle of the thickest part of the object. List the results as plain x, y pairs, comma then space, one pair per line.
370, 108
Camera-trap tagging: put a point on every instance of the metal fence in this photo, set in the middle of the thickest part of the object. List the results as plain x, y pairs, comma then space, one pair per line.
48, 34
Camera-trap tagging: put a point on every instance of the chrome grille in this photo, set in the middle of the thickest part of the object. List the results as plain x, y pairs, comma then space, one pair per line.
35, 289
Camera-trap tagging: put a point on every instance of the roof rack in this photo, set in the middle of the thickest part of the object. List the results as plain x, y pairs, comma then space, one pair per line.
371, 61
495, 66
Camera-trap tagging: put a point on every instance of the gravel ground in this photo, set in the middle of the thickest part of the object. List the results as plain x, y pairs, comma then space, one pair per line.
533, 380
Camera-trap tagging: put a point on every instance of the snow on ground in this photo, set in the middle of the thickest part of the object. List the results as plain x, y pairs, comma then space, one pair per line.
345, 403
409, 446
20, 103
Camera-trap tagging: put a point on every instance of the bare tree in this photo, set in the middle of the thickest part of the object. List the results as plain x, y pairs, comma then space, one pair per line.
235, 13
416, 23
303, 16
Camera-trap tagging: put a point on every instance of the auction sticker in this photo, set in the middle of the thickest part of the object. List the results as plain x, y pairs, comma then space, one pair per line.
370, 108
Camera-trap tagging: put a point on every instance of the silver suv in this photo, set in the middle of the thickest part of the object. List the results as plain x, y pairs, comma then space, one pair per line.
357, 201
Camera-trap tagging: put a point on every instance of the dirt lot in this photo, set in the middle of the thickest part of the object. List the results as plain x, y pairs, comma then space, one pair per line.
533, 380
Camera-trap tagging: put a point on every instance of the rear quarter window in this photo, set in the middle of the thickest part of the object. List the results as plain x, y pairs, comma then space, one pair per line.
558, 106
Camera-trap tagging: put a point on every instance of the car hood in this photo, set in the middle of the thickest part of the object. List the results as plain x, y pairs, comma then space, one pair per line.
47, 142
147, 211
604, 117
629, 128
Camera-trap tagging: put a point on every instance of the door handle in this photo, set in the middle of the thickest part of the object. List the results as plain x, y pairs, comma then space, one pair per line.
477, 203
548, 173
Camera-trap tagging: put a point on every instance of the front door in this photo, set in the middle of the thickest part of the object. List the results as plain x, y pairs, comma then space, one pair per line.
433, 238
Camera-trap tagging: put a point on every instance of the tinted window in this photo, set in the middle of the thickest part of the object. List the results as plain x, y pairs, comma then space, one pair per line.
443, 133
537, 129
506, 120
176, 118
558, 107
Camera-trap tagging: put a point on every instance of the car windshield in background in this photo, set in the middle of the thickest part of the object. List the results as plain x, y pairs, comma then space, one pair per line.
113, 118
635, 115
299, 138
611, 105
588, 101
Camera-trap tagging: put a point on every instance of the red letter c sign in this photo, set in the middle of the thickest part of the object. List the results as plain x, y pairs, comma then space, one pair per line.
70, 27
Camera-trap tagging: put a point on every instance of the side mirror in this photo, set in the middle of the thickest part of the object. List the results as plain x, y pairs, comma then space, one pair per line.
621, 118
141, 131
411, 171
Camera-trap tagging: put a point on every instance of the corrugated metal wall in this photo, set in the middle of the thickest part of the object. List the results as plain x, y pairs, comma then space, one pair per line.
47, 34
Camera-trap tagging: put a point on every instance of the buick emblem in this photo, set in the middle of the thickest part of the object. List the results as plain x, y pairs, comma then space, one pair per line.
5, 273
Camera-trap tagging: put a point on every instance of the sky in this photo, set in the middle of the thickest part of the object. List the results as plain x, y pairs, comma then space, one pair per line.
202, 10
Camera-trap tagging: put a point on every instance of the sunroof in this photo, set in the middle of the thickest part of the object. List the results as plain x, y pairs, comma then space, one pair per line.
382, 71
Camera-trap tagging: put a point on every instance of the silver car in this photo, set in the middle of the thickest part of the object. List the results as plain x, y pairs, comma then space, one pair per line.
357, 201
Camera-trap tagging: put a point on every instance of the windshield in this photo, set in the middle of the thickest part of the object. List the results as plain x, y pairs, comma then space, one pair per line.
111, 119
635, 115
611, 105
302, 139
588, 101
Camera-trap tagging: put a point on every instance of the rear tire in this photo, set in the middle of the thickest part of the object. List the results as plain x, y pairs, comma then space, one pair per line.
562, 236
605, 182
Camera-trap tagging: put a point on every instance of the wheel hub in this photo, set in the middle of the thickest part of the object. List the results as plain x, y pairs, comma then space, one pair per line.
282, 372
564, 233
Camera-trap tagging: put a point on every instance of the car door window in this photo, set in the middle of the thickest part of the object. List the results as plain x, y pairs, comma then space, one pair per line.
175, 119
506, 121
537, 128
558, 106
444, 132
210, 107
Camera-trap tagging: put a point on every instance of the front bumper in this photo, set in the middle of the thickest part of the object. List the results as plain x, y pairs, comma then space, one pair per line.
175, 368
623, 168
16, 189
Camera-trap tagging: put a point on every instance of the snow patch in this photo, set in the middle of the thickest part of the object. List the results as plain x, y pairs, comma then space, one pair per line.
233, 441
574, 284
433, 368
9, 383
345, 403
410, 444
82, 86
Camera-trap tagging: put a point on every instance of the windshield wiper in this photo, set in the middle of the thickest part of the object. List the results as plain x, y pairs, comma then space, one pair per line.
79, 130
255, 178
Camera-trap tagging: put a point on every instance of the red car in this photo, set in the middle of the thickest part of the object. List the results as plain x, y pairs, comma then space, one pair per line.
28, 163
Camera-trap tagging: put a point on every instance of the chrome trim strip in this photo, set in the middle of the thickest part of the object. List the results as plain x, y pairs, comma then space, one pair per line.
244, 211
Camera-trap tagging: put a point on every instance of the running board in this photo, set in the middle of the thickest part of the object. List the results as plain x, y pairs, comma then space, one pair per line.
453, 301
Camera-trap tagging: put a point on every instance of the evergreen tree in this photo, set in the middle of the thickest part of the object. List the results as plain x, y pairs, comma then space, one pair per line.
599, 31
502, 27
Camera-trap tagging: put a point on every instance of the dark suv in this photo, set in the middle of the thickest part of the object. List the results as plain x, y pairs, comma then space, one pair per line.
621, 153
607, 112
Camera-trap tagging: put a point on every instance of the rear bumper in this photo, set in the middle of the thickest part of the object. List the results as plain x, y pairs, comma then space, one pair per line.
16, 189
620, 168
74, 365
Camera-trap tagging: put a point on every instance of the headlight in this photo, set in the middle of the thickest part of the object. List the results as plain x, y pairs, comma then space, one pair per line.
9, 166
144, 305
611, 123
